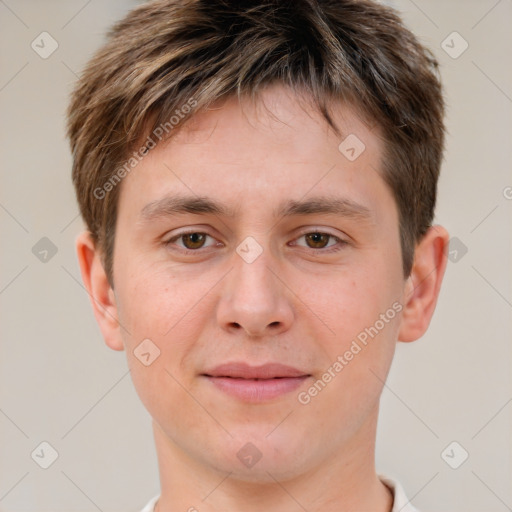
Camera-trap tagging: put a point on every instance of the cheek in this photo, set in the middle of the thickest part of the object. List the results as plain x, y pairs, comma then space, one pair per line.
158, 306
160, 327
361, 308
358, 357
151, 303
352, 300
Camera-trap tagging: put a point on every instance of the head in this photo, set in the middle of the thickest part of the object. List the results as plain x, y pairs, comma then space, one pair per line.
298, 143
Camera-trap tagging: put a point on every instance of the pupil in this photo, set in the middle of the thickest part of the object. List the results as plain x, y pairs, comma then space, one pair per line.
316, 238
195, 238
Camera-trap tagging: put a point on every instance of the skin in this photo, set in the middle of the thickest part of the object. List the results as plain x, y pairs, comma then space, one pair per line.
296, 303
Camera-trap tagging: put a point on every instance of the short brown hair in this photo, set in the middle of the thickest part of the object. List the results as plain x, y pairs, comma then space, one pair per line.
169, 53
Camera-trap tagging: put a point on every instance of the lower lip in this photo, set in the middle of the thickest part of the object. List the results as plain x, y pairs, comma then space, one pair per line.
251, 390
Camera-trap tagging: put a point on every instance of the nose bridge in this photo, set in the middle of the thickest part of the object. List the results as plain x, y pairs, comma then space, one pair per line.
252, 277
254, 299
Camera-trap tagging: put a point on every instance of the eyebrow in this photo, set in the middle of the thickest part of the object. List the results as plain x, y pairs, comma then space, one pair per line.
179, 204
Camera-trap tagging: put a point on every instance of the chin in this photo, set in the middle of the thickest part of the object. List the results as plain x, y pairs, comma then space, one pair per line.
261, 459
265, 471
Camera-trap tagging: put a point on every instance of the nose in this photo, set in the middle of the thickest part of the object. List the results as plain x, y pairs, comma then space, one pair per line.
255, 298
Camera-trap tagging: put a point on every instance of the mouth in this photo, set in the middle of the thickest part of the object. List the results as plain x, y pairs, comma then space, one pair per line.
255, 383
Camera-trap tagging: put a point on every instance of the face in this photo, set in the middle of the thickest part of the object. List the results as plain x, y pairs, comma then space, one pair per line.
263, 263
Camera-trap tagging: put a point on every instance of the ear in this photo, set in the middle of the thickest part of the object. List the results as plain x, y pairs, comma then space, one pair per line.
423, 285
99, 290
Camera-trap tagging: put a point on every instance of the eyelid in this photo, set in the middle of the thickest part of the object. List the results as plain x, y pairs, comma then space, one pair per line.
340, 241
305, 231
177, 236
318, 233
342, 237
318, 229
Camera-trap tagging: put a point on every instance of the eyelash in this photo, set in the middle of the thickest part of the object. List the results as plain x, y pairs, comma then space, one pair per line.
340, 243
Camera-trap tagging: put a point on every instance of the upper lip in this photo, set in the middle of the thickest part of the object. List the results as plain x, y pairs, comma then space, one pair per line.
243, 370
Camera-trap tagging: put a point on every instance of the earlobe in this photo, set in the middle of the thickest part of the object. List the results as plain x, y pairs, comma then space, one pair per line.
100, 292
423, 285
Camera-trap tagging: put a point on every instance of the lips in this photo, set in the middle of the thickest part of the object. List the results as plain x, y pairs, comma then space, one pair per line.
255, 383
245, 371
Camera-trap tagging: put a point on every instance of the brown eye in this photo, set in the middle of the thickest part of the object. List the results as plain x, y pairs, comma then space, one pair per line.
193, 240
317, 240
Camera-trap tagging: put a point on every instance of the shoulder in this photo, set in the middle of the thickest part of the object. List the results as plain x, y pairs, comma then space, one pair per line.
150, 507
400, 503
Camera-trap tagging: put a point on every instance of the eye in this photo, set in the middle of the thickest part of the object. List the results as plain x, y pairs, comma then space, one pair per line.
320, 240
192, 240
195, 240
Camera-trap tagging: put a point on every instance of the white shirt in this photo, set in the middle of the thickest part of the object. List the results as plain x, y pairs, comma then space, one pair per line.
400, 501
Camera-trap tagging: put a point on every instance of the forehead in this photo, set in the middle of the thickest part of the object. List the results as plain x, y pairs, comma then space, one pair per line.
247, 154
279, 113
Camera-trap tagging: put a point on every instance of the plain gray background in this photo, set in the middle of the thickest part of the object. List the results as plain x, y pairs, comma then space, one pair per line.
59, 383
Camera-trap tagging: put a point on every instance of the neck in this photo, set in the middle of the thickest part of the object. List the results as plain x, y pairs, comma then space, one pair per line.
347, 481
